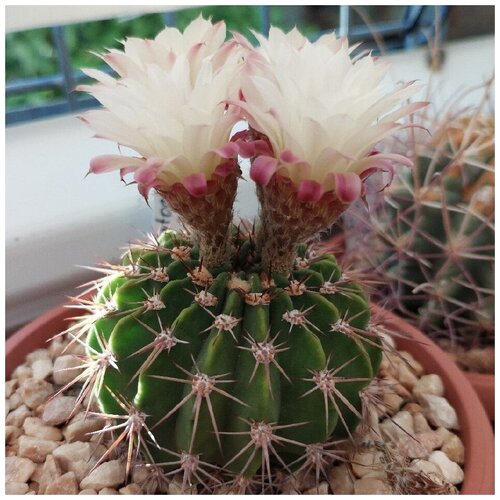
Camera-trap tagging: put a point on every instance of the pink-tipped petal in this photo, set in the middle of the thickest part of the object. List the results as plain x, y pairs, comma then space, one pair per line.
247, 149
288, 157
262, 148
108, 163
145, 175
194, 51
348, 187
196, 184
262, 169
229, 150
225, 168
242, 135
310, 191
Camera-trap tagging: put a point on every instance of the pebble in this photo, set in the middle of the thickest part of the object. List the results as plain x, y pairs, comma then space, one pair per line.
56, 347
88, 491
16, 488
79, 457
341, 480
12, 433
42, 368
36, 477
35, 392
392, 401
420, 423
130, 489
21, 373
397, 387
75, 348
16, 400
451, 471
18, 469
10, 387
429, 384
63, 485
34, 426
321, 489
80, 429
36, 449
65, 369
454, 449
50, 472
108, 491
406, 377
444, 433
388, 339
372, 486
438, 411
107, 475
364, 462
419, 445
58, 410
412, 408
140, 473
426, 467
175, 488
37, 354
404, 421
416, 367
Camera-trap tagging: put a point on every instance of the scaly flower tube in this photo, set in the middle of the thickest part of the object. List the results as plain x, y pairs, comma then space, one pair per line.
169, 104
321, 112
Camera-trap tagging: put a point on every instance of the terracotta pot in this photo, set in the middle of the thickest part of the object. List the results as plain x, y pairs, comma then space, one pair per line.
484, 385
476, 432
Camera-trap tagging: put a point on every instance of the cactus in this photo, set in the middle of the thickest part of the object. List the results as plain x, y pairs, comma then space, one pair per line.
220, 352
434, 234
229, 367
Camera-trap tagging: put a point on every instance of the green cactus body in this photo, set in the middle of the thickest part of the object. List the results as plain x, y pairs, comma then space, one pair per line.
229, 364
436, 235
450, 247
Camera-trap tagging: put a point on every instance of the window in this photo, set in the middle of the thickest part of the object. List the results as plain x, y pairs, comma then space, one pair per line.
43, 65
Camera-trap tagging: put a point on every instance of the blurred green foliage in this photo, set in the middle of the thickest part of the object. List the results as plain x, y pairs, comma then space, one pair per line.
32, 53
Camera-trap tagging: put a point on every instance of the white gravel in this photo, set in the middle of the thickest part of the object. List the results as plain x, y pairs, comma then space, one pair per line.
47, 454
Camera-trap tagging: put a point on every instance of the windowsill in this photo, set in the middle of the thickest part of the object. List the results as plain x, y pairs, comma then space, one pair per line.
56, 219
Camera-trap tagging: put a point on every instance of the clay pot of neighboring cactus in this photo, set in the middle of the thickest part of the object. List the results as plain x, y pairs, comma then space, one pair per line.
429, 238
223, 352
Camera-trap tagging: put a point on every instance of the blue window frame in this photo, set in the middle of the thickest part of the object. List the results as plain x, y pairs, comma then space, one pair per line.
414, 28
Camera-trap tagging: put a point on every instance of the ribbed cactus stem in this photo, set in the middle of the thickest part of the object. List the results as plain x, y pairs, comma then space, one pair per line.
223, 372
277, 247
285, 222
208, 216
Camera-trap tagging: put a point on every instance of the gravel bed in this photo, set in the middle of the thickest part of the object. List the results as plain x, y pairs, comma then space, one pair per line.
409, 446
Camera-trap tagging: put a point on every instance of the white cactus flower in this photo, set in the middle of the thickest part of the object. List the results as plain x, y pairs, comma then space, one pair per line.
322, 111
168, 103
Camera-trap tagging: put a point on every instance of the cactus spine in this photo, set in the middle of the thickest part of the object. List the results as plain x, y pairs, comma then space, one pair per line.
434, 233
229, 369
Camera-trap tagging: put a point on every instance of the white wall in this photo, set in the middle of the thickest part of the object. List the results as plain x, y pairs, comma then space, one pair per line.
56, 219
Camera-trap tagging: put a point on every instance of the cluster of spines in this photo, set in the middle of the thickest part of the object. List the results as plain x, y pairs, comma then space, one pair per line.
432, 242
284, 357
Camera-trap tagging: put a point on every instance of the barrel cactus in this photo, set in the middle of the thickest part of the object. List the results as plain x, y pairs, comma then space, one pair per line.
434, 231
225, 350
